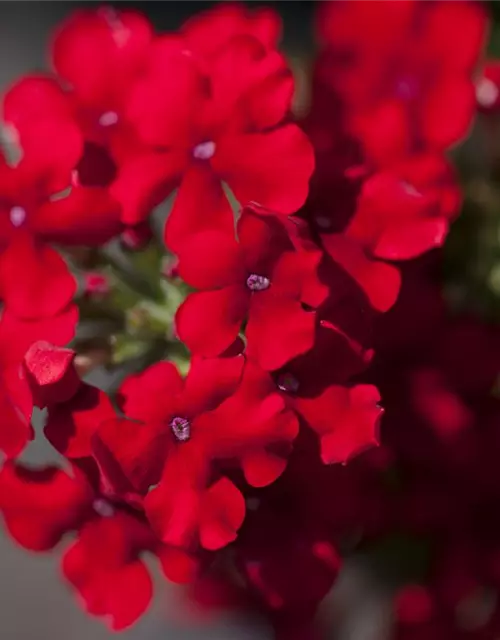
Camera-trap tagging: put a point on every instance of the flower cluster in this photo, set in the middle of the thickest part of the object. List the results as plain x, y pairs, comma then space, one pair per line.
287, 236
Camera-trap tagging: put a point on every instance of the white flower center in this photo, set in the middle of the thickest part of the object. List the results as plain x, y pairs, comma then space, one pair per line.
181, 428
103, 508
486, 92
108, 119
17, 216
204, 150
409, 189
257, 283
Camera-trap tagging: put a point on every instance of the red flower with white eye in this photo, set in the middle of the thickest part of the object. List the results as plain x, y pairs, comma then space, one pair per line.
42, 505
204, 127
262, 277
404, 70
97, 55
400, 213
177, 428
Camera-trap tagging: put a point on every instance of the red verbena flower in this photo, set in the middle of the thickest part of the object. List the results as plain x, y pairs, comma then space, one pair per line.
404, 70
262, 278
208, 126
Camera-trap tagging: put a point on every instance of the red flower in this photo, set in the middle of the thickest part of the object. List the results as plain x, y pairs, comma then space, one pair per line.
99, 53
49, 192
345, 419
218, 125
405, 210
405, 80
40, 506
400, 213
182, 426
262, 277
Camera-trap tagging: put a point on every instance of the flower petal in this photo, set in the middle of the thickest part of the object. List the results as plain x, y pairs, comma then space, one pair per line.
40, 505
447, 111
210, 381
170, 95
71, 425
17, 335
150, 396
272, 169
87, 216
144, 181
131, 454
121, 592
278, 329
209, 321
199, 205
98, 51
211, 260
346, 420
34, 279
222, 514
380, 282
51, 374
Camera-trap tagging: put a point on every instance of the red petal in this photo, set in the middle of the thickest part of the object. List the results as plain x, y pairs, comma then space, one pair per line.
34, 98
150, 396
98, 52
263, 422
262, 467
208, 322
15, 429
345, 419
87, 216
120, 591
222, 514
177, 565
144, 181
380, 282
71, 425
205, 32
173, 507
447, 111
210, 381
262, 239
408, 241
34, 279
211, 260
17, 335
272, 169
40, 505
51, 149
446, 19
385, 131
188, 217
131, 454
278, 329
50, 373
166, 101
250, 87
269, 102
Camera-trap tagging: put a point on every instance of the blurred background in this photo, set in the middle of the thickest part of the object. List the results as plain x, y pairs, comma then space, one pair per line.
34, 602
